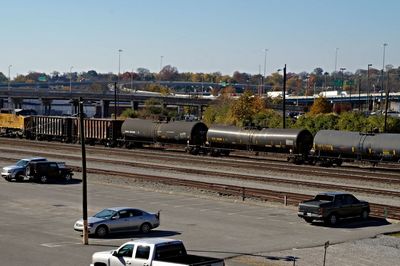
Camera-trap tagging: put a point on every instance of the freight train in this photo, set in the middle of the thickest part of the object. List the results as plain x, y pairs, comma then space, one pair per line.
328, 147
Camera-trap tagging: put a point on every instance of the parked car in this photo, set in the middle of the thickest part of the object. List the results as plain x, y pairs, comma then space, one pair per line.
18, 171
46, 171
155, 252
332, 206
120, 219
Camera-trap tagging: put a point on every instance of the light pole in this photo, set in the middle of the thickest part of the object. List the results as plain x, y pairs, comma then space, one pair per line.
383, 66
265, 70
368, 87
119, 63
342, 69
336, 52
116, 87
9, 76
70, 79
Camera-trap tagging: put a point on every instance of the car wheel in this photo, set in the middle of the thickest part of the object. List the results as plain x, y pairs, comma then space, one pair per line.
364, 214
19, 178
68, 178
101, 231
333, 219
308, 220
43, 179
145, 228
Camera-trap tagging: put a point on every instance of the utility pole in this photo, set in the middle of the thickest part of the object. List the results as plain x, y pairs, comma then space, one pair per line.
115, 100
387, 102
284, 98
84, 179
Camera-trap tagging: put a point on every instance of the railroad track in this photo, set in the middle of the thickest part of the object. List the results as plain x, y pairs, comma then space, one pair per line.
220, 174
370, 174
287, 198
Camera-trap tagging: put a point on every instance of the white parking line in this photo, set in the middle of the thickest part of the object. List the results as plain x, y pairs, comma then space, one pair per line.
59, 244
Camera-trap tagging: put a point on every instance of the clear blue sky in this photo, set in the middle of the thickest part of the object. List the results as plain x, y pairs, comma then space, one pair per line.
197, 36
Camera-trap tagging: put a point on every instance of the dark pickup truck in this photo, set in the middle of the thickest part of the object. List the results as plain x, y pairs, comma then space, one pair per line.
332, 206
45, 171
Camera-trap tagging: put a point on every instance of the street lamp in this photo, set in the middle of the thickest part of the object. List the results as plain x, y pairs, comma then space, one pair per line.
161, 59
342, 69
9, 76
368, 87
119, 63
265, 70
116, 103
70, 79
383, 65
336, 52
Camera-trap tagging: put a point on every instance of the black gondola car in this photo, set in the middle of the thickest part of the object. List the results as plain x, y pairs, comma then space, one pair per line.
102, 131
57, 128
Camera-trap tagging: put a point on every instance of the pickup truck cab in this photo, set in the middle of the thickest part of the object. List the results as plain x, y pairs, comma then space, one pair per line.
154, 252
17, 171
44, 171
332, 206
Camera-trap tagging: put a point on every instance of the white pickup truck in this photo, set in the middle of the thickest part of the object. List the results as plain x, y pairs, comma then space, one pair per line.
152, 252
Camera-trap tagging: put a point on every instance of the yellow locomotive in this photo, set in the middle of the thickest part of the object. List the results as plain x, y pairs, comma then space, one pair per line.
14, 123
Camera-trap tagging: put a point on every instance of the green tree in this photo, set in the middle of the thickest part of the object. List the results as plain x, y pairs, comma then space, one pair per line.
129, 113
242, 110
353, 121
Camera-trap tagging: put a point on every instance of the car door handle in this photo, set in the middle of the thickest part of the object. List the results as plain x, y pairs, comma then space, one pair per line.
128, 262
145, 264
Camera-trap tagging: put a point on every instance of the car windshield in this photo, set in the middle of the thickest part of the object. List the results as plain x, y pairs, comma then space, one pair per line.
105, 214
22, 163
324, 197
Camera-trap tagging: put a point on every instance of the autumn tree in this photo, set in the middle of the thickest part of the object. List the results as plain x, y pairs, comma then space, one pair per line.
168, 73
276, 81
320, 106
3, 78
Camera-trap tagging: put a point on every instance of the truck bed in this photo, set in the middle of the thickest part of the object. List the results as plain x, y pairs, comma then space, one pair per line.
192, 260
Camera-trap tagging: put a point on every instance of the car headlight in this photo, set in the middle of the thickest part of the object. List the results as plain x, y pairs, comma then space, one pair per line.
10, 171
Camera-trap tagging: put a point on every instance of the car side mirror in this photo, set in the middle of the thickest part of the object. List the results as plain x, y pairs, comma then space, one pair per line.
115, 253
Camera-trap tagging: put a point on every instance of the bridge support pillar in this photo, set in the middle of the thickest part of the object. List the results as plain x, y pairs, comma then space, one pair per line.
200, 111
1, 103
105, 107
10, 103
180, 110
135, 105
15, 103
74, 106
45, 106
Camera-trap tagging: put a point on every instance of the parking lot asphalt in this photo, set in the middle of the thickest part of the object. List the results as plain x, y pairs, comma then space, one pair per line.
37, 223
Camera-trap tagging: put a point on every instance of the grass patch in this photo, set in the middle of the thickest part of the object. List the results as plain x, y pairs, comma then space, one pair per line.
395, 234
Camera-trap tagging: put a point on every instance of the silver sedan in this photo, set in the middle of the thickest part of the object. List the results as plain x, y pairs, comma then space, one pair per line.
119, 219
